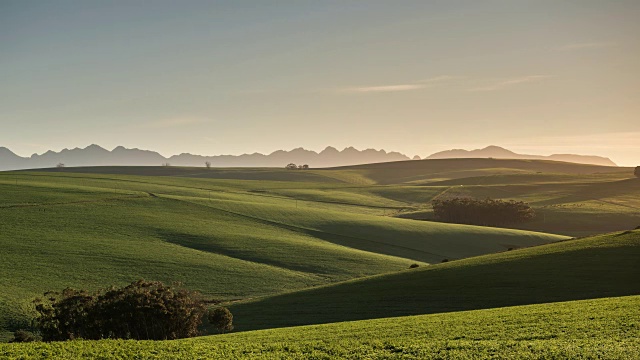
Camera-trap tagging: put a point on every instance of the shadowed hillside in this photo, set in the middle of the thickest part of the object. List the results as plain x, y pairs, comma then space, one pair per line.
600, 266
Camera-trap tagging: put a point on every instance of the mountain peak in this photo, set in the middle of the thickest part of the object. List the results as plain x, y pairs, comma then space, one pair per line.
329, 150
93, 147
6, 152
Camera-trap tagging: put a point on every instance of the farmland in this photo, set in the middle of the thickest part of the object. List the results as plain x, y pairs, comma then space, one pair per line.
303, 247
230, 239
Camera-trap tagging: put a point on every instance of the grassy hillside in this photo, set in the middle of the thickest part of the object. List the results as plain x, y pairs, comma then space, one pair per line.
570, 205
266, 174
570, 199
594, 267
602, 329
426, 171
230, 239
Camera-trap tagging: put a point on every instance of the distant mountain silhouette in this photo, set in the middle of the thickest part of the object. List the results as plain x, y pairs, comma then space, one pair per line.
497, 152
95, 155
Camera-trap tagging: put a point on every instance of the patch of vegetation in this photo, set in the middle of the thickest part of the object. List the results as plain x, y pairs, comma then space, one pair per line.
487, 212
143, 310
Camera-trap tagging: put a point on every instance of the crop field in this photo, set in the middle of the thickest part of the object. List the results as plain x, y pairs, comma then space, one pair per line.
591, 329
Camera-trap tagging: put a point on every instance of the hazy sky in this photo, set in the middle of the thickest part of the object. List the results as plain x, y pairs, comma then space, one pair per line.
213, 77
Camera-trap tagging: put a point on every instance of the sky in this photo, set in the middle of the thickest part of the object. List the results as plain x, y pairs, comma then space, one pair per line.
233, 77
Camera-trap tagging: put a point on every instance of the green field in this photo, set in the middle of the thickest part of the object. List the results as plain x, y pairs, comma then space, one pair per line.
591, 329
570, 199
288, 248
230, 239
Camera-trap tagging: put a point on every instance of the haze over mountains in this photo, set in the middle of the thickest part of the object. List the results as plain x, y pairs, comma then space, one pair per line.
95, 155
497, 152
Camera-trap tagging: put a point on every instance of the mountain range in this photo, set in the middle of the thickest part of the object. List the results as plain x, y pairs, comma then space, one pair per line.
497, 152
95, 155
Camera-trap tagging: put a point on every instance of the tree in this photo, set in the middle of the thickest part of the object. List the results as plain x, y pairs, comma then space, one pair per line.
637, 172
60, 165
207, 164
221, 318
142, 310
305, 167
166, 164
291, 166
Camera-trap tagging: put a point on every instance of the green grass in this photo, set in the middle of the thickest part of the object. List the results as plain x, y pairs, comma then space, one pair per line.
587, 268
427, 171
571, 199
230, 239
592, 329
287, 248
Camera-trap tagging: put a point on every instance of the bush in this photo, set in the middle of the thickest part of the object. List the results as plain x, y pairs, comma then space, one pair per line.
142, 310
486, 212
413, 266
23, 336
221, 318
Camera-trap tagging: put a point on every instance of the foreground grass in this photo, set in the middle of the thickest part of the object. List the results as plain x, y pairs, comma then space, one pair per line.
603, 329
600, 266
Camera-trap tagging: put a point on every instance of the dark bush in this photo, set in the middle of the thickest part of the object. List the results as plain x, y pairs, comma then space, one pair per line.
23, 336
413, 266
142, 310
636, 172
445, 260
486, 212
221, 318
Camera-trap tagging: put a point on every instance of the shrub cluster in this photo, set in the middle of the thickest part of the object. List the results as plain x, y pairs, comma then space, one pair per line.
488, 212
221, 318
142, 310
293, 166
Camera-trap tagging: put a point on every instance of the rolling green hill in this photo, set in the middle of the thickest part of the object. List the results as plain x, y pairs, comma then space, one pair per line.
590, 329
570, 199
600, 266
230, 239
427, 171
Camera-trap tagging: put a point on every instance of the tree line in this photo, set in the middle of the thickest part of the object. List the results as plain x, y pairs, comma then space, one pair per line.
293, 166
487, 212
